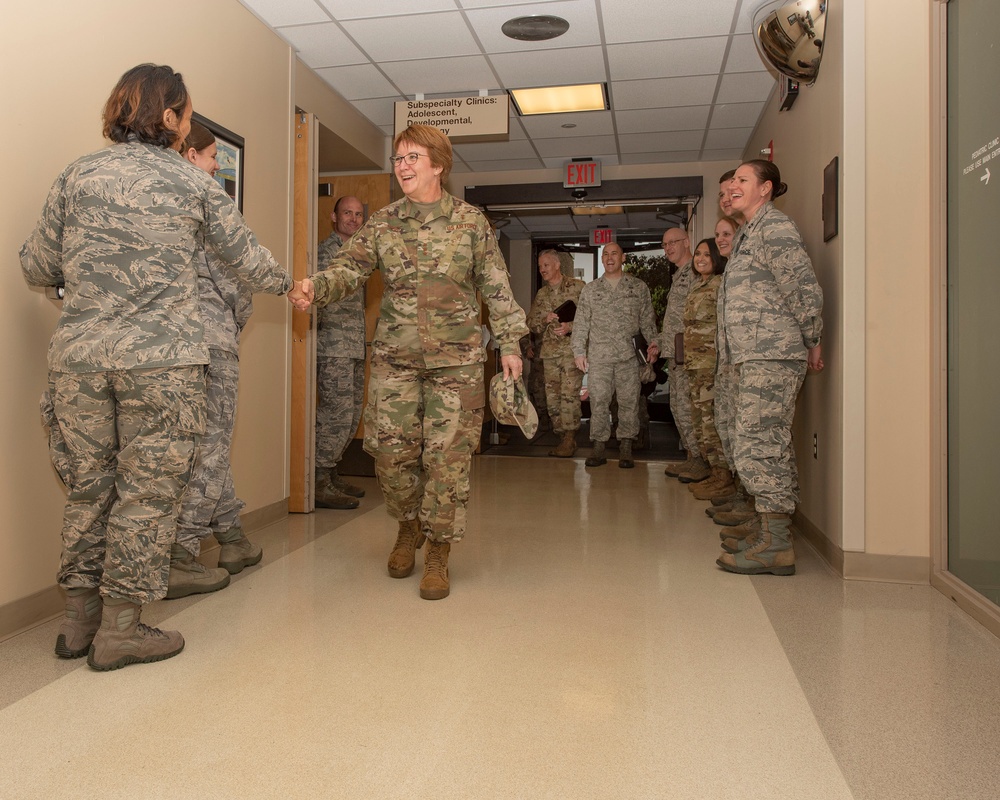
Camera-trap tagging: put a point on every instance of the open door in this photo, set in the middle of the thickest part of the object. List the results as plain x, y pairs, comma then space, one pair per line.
303, 403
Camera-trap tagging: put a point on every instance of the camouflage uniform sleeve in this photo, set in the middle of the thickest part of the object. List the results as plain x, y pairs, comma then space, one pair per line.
236, 246
793, 273
493, 283
353, 264
540, 309
647, 317
244, 306
581, 324
41, 254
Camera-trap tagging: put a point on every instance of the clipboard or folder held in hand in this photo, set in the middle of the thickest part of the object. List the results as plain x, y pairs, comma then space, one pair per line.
565, 311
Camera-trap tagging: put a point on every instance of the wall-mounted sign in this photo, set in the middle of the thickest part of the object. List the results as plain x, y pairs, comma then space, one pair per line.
470, 119
582, 172
602, 236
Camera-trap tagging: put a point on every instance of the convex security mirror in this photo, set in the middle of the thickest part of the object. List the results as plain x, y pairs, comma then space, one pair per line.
790, 36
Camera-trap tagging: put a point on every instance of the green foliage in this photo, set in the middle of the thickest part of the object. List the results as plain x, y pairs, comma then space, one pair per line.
654, 271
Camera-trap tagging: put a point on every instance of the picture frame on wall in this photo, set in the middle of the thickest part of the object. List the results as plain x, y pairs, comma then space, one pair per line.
831, 199
230, 158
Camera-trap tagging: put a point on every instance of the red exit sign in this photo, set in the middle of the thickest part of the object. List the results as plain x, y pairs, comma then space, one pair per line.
601, 236
582, 173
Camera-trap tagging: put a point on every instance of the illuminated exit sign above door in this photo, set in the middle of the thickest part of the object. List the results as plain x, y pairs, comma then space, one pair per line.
582, 172
601, 236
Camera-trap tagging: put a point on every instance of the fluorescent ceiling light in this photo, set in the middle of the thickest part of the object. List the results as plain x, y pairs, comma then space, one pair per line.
560, 99
597, 210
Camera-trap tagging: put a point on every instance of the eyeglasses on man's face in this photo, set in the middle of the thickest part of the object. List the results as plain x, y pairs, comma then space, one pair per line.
409, 158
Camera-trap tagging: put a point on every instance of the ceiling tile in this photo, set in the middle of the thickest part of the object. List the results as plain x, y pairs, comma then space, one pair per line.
734, 154
323, 45
358, 82
494, 166
380, 110
664, 92
453, 76
656, 59
727, 138
550, 67
661, 157
743, 56
286, 12
575, 148
746, 87
550, 126
642, 20
413, 36
580, 14
352, 9
647, 120
492, 151
736, 115
669, 140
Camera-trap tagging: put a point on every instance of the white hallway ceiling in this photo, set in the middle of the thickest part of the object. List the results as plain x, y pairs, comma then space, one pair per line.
684, 79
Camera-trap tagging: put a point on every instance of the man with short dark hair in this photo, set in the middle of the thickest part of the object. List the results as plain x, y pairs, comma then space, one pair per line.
611, 310
340, 368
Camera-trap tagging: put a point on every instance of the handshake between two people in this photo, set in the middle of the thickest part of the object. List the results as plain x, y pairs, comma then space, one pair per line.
302, 295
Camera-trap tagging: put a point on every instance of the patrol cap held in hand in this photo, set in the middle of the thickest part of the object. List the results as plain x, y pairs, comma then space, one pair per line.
511, 406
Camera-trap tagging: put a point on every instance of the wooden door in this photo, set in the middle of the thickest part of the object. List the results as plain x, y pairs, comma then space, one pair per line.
303, 404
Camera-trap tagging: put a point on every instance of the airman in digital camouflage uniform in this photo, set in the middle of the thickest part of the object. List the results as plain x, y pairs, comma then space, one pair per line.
426, 393
770, 309
677, 246
611, 310
340, 368
120, 228
563, 379
209, 506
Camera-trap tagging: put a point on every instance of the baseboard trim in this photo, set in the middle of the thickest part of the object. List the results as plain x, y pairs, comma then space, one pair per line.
864, 566
20, 615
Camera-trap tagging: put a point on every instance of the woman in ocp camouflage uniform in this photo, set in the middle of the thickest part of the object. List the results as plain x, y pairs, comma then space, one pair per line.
438, 256
700, 330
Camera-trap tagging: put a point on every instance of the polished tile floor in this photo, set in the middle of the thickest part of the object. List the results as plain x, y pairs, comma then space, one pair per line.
590, 649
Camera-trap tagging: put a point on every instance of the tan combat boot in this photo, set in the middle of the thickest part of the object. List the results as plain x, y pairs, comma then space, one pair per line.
625, 455
597, 458
341, 485
329, 496
237, 551
732, 536
188, 576
434, 585
408, 541
673, 470
566, 447
123, 640
742, 511
83, 618
697, 472
722, 486
769, 550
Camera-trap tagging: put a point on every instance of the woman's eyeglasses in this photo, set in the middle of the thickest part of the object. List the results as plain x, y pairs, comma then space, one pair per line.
409, 158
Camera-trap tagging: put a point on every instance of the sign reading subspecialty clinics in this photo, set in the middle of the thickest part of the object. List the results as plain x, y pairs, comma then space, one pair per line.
481, 117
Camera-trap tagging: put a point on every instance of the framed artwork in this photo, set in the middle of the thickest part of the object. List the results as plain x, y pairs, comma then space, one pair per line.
230, 158
831, 199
